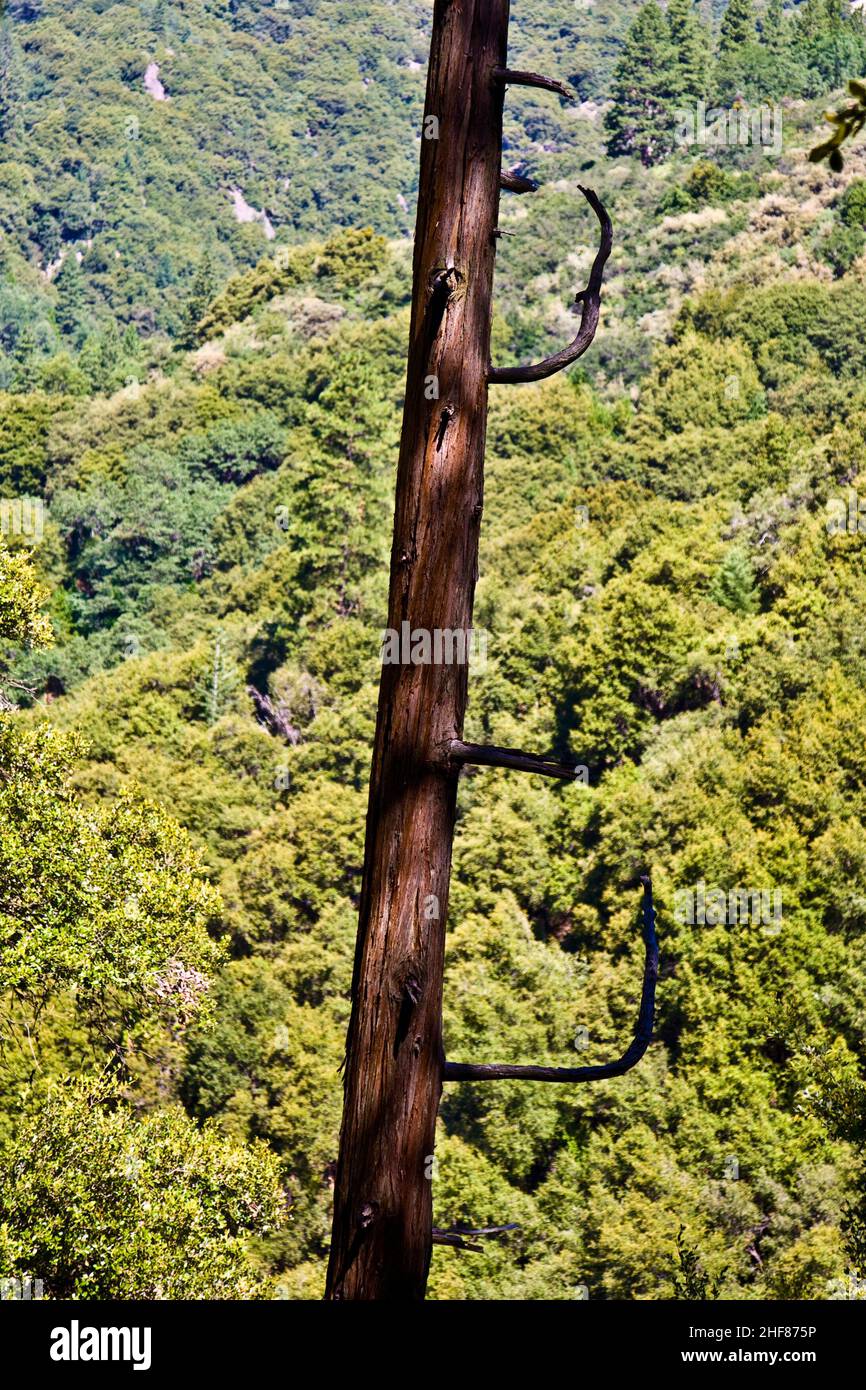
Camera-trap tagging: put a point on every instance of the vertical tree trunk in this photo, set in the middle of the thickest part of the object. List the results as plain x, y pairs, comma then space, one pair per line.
394, 1061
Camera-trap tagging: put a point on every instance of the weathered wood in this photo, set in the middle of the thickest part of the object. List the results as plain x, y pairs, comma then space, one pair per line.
382, 1234
519, 78
516, 183
395, 1065
489, 755
457, 1238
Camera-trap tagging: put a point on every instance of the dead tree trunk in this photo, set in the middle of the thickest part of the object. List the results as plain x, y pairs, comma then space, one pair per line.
395, 1064
383, 1206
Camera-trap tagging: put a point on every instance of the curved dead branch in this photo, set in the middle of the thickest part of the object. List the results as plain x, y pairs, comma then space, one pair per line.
590, 306
470, 1071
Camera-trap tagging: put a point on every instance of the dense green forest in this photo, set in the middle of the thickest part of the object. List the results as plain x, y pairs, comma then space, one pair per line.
201, 416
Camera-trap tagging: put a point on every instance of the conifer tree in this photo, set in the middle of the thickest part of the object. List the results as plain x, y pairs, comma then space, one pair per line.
692, 46
734, 584
746, 66
69, 312
10, 82
831, 40
641, 120
201, 294
737, 28
778, 66
815, 17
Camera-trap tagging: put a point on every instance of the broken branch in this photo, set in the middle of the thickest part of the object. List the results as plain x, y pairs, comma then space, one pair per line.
488, 755
518, 78
590, 306
516, 183
448, 1238
456, 1238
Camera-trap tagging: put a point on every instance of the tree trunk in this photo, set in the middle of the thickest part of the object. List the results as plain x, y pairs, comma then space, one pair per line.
394, 1061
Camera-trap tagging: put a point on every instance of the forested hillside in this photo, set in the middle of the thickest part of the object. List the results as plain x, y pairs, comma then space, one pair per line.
671, 589
150, 146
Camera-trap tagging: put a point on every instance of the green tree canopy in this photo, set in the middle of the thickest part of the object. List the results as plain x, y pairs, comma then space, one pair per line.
99, 1204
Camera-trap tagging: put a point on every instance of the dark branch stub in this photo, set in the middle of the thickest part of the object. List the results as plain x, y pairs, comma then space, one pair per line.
516, 77
457, 1236
455, 1241
589, 301
470, 1071
488, 755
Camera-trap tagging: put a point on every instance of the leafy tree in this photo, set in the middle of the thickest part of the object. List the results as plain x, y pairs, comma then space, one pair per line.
22, 601
110, 907
776, 67
691, 1283
832, 41
70, 311
150, 528
102, 1205
842, 247
852, 205
234, 451
707, 182
111, 902
351, 258
744, 67
27, 421
774, 35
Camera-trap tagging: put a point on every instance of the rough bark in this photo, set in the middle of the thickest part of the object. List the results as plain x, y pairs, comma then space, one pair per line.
382, 1234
